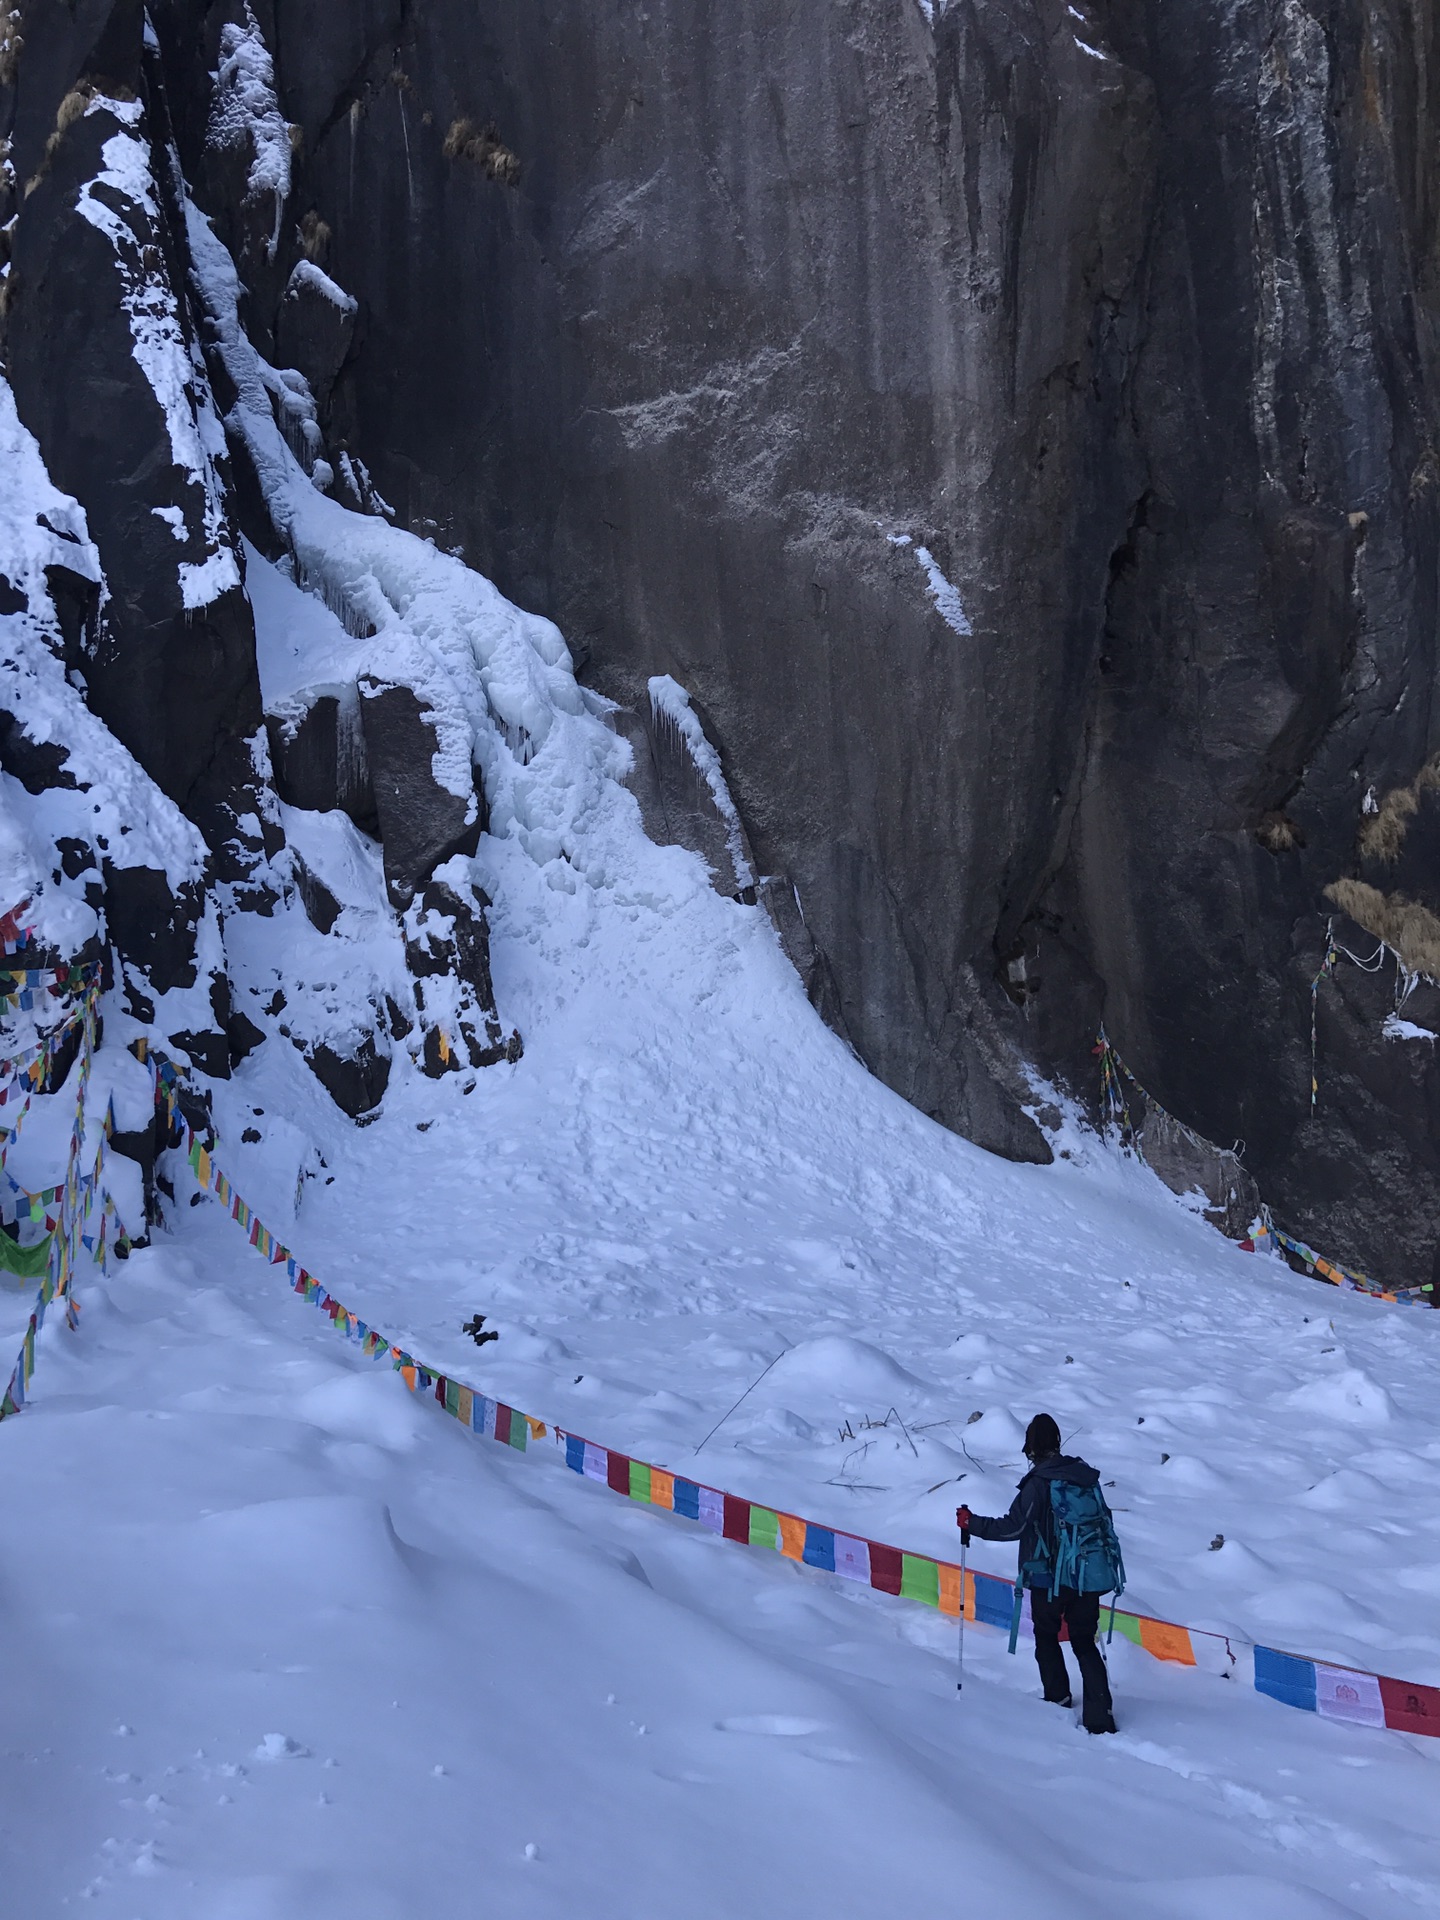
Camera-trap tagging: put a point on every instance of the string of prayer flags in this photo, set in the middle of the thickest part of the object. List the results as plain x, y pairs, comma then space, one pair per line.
1327, 967
1339, 1276
14, 937
987, 1599
72, 1202
1268, 1238
1337, 1692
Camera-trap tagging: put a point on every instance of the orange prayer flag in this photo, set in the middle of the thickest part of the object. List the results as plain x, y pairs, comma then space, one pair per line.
950, 1592
662, 1488
792, 1536
1166, 1642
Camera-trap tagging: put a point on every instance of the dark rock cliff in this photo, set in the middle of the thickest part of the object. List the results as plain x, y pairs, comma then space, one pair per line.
1015, 425
129, 676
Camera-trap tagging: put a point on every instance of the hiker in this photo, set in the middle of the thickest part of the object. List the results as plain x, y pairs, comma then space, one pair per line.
1059, 1510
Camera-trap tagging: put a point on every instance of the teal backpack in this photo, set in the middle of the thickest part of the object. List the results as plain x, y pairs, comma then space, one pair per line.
1086, 1556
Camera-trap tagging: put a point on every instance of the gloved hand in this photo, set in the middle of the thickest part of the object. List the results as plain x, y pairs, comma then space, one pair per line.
962, 1518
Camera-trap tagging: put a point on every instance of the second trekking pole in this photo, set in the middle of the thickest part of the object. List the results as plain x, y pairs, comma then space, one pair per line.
964, 1549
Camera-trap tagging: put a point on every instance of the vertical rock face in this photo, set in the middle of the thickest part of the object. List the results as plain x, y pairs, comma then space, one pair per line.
101, 354
131, 700
1014, 425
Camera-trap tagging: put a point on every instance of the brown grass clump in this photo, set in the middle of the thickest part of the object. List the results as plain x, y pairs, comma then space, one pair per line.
71, 109
314, 237
1382, 834
1407, 928
1278, 833
484, 148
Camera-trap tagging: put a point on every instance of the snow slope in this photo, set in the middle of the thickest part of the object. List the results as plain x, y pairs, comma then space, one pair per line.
285, 1644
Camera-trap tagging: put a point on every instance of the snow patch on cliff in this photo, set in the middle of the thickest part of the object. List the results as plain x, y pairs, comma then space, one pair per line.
497, 682
1396, 1028
40, 527
944, 593
670, 703
162, 350
113, 805
246, 112
307, 274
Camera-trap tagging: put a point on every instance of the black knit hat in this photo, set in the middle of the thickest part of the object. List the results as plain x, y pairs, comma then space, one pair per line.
1042, 1438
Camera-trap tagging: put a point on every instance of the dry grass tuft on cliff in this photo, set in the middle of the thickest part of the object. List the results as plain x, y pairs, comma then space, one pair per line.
70, 109
1407, 928
1278, 833
484, 148
314, 236
1382, 833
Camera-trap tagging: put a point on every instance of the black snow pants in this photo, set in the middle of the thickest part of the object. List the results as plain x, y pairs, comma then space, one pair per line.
1081, 1614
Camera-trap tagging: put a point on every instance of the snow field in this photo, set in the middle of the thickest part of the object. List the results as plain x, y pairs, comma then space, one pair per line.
296, 1645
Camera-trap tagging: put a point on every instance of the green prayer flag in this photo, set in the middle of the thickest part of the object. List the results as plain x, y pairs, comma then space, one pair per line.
919, 1579
639, 1480
1126, 1623
764, 1528
28, 1262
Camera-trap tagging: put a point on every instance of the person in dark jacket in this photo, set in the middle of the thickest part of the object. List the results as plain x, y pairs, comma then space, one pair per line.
1029, 1521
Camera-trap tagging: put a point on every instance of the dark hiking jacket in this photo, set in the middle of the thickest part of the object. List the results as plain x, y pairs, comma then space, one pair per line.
1029, 1520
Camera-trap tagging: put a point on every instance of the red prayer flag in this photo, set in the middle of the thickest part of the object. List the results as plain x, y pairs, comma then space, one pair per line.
737, 1516
617, 1473
886, 1567
1410, 1708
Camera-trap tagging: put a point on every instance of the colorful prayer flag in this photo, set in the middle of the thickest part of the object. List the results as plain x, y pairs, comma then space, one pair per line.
919, 1579
1285, 1677
1342, 1694
792, 1537
852, 1558
1166, 1641
764, 1528
886, 1567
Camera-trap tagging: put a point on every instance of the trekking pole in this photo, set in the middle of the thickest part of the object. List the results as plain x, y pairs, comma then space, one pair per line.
964, 1550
